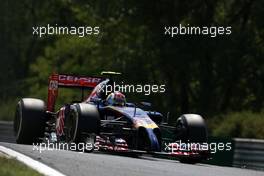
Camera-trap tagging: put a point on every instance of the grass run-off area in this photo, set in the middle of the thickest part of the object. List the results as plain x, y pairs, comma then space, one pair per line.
12, 167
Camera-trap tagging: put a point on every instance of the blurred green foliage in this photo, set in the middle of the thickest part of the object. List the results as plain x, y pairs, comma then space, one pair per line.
204, 75
243, 124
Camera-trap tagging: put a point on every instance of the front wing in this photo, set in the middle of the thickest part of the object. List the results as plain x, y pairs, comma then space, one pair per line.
120, 146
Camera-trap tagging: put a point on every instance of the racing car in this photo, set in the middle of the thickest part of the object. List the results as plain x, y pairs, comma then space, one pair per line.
107, 121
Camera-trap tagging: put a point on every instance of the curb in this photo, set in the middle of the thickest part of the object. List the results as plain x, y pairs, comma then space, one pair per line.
34, 164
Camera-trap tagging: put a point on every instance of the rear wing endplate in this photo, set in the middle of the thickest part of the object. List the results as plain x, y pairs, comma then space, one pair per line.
63, 80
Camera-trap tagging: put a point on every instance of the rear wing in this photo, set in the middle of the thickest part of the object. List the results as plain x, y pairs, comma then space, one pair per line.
62, 80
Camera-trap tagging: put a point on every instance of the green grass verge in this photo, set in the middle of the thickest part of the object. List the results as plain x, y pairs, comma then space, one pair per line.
12, 167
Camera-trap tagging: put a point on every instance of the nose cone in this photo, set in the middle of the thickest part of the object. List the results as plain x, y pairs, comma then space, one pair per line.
154, 142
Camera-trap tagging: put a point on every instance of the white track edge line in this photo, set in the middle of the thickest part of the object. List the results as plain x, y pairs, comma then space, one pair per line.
34, 164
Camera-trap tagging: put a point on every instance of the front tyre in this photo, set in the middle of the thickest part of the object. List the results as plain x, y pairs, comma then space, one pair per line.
191, 128
82, 124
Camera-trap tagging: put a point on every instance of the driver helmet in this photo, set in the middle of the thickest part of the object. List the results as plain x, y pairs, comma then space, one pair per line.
116, 99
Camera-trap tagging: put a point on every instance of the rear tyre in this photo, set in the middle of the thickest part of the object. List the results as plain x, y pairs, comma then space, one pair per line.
29, 121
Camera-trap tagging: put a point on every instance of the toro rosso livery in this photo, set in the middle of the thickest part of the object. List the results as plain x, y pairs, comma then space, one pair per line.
108, 122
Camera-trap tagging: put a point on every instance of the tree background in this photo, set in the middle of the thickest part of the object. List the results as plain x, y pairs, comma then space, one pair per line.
221, 78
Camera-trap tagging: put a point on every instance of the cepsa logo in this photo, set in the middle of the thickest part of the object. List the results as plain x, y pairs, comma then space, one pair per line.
67, 79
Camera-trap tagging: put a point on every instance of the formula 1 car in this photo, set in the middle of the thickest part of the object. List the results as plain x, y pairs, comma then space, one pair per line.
130, 127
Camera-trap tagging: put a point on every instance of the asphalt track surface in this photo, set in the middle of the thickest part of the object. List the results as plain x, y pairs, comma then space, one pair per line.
99, 164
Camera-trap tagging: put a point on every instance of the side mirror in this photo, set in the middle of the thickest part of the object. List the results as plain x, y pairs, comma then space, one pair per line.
145, 104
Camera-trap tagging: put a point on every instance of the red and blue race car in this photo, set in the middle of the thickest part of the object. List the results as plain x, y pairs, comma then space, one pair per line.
107, 122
